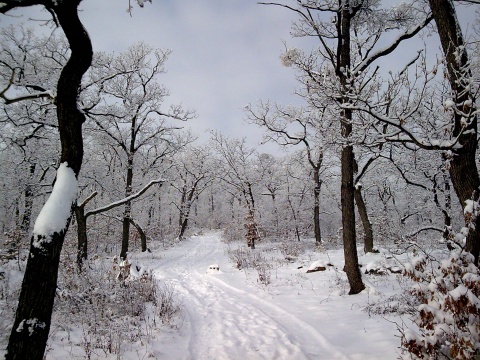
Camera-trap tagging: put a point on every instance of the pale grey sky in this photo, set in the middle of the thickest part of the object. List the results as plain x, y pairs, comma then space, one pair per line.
225, 53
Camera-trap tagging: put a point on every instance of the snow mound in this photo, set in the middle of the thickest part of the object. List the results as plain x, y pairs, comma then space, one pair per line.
375, 267
213, 269
319, 265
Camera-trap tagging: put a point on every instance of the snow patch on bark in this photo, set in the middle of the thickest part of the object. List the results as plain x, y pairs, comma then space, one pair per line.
56, 211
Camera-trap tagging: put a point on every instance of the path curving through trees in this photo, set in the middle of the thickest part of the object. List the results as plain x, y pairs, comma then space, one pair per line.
223, 320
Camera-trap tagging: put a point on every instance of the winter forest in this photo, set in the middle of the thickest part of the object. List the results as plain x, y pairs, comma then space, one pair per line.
126, 235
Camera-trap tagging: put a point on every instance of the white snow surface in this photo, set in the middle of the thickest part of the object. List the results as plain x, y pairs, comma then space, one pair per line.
229, 314
56, 211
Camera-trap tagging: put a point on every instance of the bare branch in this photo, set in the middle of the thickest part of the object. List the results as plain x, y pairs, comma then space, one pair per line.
125, 200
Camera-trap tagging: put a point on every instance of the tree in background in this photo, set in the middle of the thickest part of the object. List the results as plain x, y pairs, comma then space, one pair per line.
292, 126
240, 175
193, 174
126, 102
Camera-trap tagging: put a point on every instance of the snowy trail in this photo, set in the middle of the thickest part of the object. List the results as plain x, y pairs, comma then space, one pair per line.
226, 321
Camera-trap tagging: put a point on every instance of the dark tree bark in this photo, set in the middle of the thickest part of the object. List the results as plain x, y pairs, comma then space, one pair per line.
367, 225
82, 238
33, 317
344, 16
28, 205
188, 198
448, 203
316, 205
82, 242
128, 192
143, 236
463, 169
184, 224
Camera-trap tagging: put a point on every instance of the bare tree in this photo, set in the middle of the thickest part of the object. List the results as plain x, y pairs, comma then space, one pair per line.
126, 103
292, 126
412, 123
330, 73
29, 69
271, 169
193, 175
241, 176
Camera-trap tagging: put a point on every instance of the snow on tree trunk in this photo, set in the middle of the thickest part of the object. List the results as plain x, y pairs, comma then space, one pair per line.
31, 326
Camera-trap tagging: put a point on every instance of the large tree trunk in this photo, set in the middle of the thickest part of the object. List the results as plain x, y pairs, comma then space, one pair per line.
463, 169
128, 191
367, 225
31, 326
347, 157
184, 224
316, 207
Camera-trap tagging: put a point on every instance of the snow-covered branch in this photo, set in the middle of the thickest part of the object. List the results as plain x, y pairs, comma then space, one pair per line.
124, 200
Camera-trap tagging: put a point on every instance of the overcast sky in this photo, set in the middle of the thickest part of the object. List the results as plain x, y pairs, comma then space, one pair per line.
225, 53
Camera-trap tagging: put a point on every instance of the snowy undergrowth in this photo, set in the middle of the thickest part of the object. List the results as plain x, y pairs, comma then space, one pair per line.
429, 294
230, 312
10, 281
109, 308
448, 315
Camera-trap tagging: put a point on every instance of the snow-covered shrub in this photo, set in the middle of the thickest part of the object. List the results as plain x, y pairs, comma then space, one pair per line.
449, 314
10, 283
243, 258
396, 304
109, 305
166, 303
263, 270
290, 250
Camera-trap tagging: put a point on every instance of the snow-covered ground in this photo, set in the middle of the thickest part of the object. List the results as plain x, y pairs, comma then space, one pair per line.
230, 314
277, 312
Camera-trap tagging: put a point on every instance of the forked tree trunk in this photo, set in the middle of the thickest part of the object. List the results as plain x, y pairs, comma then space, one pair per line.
31, 326
82, 219
367, 225
463, 168
143, 236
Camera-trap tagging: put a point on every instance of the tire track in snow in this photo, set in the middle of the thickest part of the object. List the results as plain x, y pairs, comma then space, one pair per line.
225, 322
310, 338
